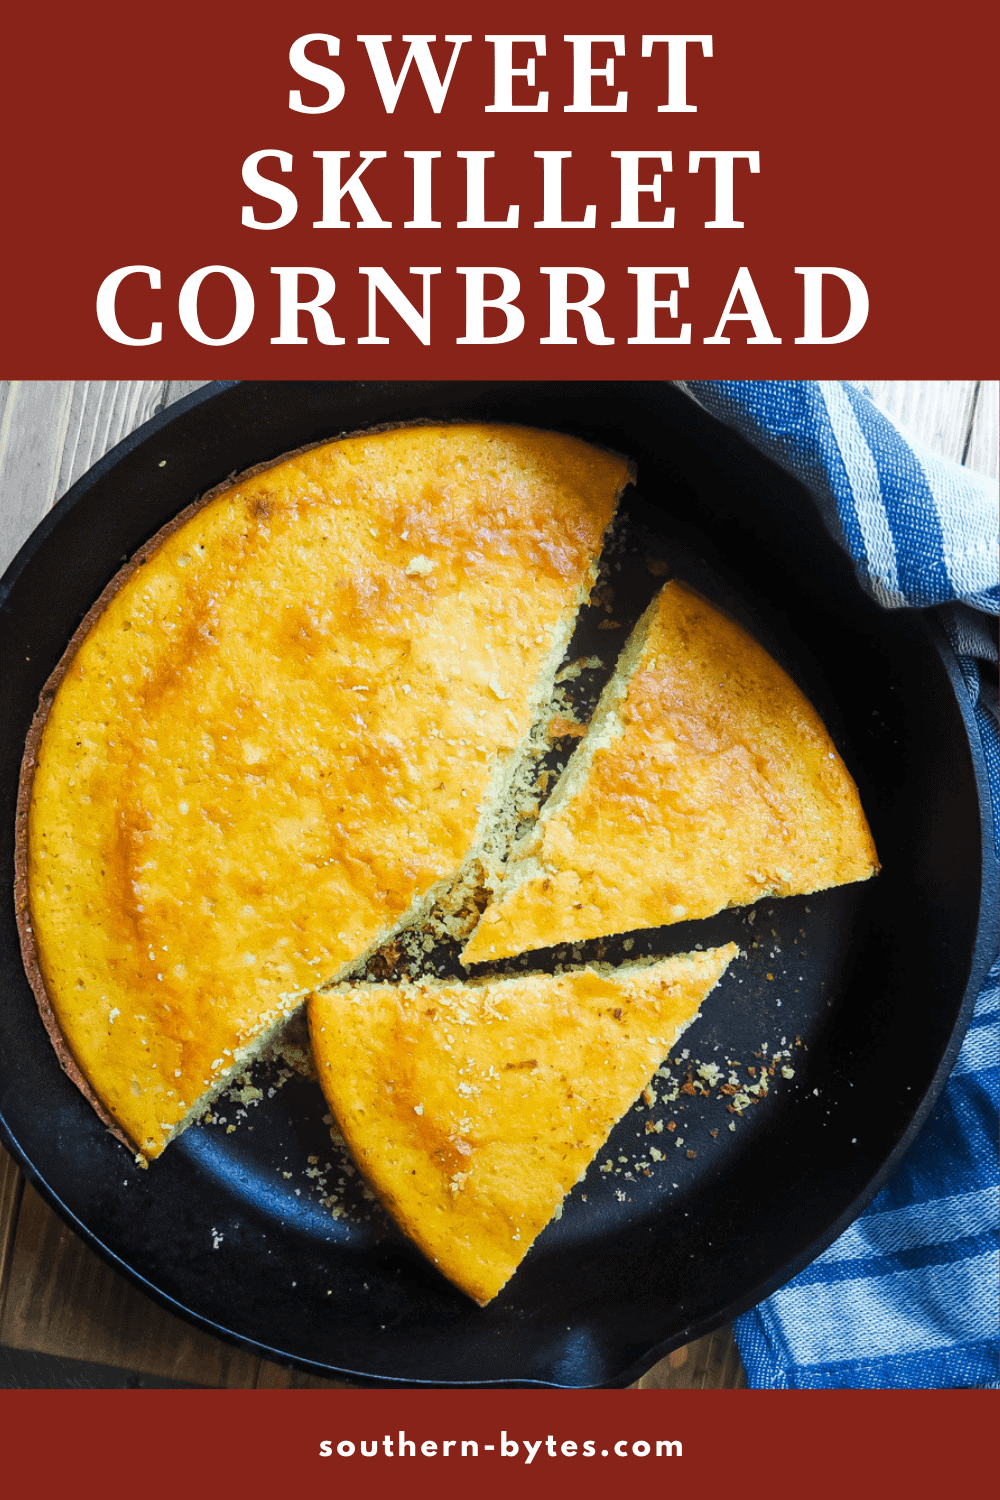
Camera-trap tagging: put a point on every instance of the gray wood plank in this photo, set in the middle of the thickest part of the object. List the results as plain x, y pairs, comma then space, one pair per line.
178, 388
53, 431
937, 412
33, 427
102, 412
984, 439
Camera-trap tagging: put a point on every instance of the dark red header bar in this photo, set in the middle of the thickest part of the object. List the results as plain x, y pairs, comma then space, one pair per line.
556, 191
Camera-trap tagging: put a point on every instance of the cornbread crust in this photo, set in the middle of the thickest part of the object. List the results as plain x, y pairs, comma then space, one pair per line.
22, 905
476, 527
706, 780
473, 1108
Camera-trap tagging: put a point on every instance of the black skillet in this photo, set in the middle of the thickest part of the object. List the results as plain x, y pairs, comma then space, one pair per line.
868, 988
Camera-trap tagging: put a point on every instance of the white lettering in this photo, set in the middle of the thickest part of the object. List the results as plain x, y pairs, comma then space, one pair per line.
504, 73
265, 188
812, 295
631, 187
584, 73
646, 304
560, 306
333, 193
423, 216
389, 87
743, 287
316, 73
552, 195
724, 182
291, 305
187, 305
379, 280
475, 195
476, 303
107, 314
677, 69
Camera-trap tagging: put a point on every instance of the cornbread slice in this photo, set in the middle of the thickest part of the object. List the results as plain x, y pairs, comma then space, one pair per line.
705, 780
473, 1108
280, 732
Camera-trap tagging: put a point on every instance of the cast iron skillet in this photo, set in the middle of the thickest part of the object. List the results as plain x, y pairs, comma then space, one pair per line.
875, 981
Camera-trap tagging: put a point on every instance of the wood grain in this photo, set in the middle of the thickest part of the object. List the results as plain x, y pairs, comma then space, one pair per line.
63, 1299
709, 1363
11, 1190
936, 412
53, 431
983, 448
57, 1298
960, 419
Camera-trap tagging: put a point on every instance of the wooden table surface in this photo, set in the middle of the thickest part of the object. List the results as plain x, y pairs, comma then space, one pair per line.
67, 1319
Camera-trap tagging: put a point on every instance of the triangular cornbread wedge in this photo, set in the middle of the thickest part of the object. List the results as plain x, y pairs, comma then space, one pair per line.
472, 1109
281, 730
706, 780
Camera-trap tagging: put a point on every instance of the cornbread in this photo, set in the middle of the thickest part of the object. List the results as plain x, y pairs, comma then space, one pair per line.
706, 780
473, 1108
283, 730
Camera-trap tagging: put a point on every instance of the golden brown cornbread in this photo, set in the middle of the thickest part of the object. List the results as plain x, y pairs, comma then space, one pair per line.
472, 1109
281, 730
706, 780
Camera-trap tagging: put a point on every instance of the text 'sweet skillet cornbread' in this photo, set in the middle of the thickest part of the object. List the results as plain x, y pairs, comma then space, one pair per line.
705, 780
473, 1108
282, 730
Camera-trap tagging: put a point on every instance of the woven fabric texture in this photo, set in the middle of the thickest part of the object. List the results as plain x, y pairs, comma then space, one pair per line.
907, 1297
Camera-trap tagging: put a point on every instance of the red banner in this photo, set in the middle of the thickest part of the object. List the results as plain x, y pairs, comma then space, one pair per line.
500, 1443
555, 191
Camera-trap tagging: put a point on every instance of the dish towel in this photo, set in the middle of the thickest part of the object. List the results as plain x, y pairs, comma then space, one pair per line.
907, 1297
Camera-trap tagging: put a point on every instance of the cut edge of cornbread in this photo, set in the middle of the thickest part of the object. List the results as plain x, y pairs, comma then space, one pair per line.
523, 863
441, 907
422, 1208
447, 896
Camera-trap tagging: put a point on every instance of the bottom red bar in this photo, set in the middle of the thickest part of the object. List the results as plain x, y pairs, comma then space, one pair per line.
497, 1443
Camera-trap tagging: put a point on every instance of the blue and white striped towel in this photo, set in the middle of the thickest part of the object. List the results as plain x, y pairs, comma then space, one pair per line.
907, 1297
